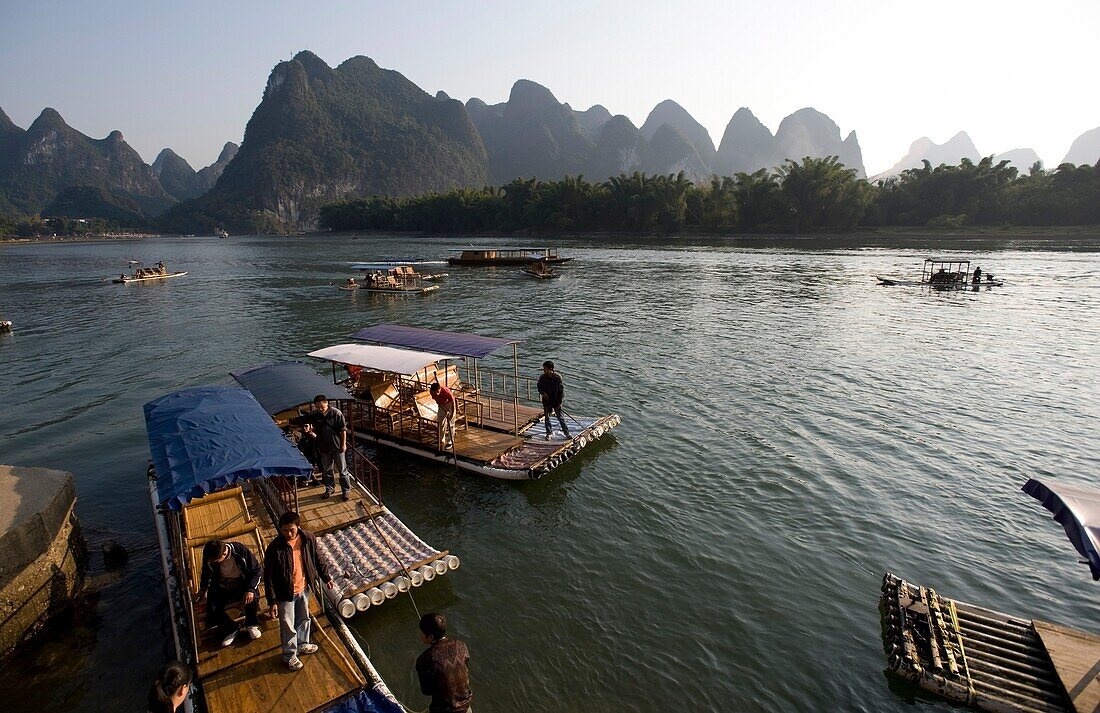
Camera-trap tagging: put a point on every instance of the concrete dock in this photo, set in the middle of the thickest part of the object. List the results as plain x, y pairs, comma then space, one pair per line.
42, 553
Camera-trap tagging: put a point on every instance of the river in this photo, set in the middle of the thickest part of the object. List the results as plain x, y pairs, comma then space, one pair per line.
790, 432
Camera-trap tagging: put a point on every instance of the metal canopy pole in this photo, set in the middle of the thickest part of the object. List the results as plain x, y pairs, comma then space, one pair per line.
515, 399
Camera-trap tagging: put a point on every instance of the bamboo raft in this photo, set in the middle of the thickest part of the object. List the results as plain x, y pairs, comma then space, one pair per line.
991, 661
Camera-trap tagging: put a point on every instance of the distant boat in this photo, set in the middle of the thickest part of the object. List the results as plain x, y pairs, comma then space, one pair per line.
392, 279
945, 275
506, 256
145, 274
6, 326
221, 232
540, 270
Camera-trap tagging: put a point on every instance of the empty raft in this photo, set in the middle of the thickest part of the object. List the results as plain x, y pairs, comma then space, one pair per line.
989, 660
378, 559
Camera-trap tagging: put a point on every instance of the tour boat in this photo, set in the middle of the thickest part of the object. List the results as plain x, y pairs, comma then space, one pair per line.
5, 326
499, 432
391, 279
943, 275
221, 232
222, 469
506, 256
146, 274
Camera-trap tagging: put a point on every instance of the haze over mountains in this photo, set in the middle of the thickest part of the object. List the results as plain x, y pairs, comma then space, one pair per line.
320, 134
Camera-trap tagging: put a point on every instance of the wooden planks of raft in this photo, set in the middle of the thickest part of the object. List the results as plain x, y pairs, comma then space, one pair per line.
968, 654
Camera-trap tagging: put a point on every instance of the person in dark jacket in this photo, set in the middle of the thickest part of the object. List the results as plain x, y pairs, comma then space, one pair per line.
444, 668
230, 574
328, 429
291, 564
552, 390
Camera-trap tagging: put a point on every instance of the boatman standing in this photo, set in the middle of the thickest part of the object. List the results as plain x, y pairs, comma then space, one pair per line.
329, 429
443, 668
291, 564
552, 390
446, 418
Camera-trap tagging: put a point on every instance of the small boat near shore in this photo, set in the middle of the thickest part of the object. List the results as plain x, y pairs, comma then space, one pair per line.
146, 274
6, 326
220, 470
993, 661
506, 256
944, 275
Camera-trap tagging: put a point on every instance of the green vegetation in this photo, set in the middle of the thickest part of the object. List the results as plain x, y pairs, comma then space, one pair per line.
816, 194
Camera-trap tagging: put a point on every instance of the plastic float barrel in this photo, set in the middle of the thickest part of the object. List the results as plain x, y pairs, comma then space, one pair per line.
389, 589
415, 577
452, 562
402, 583
347, 608
582, 441
440, 566
376, 595
334, 595
427, 572
361, 602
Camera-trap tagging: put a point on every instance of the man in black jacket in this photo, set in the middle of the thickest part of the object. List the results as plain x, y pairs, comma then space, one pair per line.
552, 390
291, 564
328, 429
230, 573
443, 668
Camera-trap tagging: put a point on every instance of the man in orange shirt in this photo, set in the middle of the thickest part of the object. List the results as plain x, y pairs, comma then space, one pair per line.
291, 564
446, 418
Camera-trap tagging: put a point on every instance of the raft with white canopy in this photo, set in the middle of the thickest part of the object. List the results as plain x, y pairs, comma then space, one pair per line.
498, 431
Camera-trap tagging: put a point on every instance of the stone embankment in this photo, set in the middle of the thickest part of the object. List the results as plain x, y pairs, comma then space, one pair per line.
42, 553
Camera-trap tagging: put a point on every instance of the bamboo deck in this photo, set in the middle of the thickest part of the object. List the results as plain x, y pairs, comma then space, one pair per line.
501, 417
322, 515
250, 676
989, 660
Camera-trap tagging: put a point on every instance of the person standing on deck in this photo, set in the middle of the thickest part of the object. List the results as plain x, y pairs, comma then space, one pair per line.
291, 565
552, 390
329, 428
446, 417
444, 668
230, 573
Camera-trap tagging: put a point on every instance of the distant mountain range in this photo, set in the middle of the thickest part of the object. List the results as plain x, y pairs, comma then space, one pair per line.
320, 134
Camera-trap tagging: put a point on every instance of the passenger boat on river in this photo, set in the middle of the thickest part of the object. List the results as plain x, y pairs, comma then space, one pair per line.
392, 279
506, 256
144, 274
221, 469
497, 413
945, 275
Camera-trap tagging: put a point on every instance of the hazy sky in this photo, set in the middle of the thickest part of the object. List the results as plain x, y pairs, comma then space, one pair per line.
189, 74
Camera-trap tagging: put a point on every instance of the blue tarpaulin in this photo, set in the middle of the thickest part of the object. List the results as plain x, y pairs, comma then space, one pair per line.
371, 700
286, 385
430, 340
209, 437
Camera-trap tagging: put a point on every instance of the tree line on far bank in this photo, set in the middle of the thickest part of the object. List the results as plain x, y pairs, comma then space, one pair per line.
815, 194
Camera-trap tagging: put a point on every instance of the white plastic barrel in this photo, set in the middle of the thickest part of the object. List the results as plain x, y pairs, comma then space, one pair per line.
440, 566
452, 562
427, 572
377, 596
389, 589
347, 608
402, 582
361, 601
416, 578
